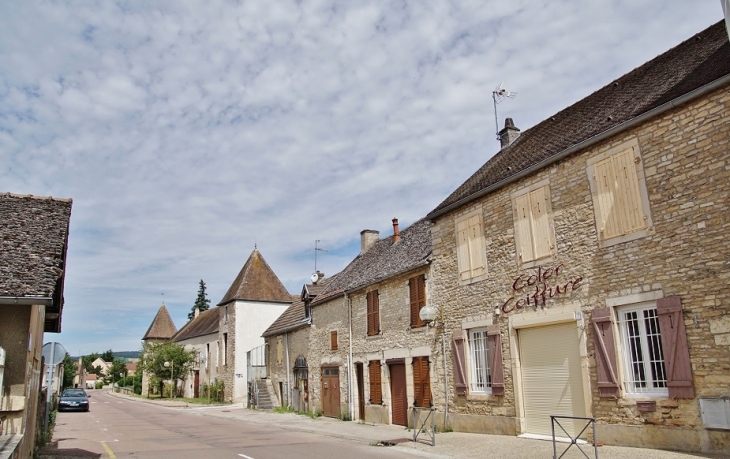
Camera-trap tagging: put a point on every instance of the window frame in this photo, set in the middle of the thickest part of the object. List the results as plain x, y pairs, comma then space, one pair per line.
641, 202
546, 254
474, 370
224, 354
471, 254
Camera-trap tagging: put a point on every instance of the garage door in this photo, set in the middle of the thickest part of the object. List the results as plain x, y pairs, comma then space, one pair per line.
552, 383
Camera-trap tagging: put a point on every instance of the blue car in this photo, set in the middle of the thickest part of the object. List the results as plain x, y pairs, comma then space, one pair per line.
74, 400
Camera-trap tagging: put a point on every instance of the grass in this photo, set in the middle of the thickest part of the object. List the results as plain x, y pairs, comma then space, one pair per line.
286, 409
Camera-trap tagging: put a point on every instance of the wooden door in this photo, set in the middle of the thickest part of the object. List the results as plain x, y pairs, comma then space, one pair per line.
360, 391
331, 392
398, 394
196, 385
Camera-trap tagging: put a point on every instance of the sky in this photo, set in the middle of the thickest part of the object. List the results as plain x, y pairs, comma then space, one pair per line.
189, 132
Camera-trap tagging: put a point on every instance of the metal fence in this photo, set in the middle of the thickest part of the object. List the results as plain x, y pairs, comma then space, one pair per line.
589, 422
424, 422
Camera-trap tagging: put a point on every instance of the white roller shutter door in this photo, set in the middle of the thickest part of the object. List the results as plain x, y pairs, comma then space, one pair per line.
551, 377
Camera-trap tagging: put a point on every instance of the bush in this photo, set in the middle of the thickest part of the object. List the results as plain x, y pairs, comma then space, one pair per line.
99, 384
217, 391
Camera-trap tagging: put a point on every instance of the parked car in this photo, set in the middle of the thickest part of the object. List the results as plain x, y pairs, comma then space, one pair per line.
74, 400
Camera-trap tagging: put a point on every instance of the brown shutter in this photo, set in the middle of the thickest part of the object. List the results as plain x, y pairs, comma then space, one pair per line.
373, 313
417, 290
421, 382
333, 340
376, 390
459, 341
603, 341
674, 344
494, 354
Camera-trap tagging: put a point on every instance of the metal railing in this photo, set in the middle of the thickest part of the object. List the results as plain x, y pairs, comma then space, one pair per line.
590, 422
421, 419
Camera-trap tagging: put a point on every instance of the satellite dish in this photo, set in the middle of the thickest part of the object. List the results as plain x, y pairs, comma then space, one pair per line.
53, 353
315, 278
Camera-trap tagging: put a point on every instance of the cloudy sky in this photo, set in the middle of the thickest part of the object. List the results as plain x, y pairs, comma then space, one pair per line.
188, 132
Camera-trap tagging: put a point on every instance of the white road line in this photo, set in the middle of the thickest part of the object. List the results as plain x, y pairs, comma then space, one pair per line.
247, 457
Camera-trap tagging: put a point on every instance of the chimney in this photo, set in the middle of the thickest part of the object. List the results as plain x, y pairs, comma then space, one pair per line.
509, 134
197, 311
367, 239
396, 231
320, 275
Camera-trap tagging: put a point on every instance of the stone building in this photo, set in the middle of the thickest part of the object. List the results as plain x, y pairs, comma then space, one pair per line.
33, 250
161, 329
370, 356
583, 270
255, 299
200, 335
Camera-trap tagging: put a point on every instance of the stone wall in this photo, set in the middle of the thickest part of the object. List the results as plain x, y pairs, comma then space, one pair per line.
227, 373
278, 366
685, 155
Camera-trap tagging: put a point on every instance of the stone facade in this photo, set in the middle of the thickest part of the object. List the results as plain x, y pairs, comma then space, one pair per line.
226, 363
685, 253
281, 370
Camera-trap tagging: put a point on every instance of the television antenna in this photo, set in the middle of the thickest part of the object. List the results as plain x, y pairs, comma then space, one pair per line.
317, 248
498, 95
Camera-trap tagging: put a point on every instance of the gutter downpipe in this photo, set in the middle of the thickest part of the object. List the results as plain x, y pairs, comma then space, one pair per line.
446, 379
288, 372
350, 403
688, 97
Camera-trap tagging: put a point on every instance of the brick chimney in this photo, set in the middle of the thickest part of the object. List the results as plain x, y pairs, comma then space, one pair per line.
396, 231
367, 239
509, 134
197, 312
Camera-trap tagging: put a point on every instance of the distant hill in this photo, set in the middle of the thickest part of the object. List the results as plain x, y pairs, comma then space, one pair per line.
126, 355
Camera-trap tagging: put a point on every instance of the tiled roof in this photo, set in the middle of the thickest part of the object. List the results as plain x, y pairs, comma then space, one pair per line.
692, 64
291, 319
383, 260
162, 326
33, 244
205, 324
256, 282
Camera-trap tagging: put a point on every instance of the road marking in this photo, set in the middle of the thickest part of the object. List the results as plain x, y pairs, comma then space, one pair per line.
108, 451
247, 457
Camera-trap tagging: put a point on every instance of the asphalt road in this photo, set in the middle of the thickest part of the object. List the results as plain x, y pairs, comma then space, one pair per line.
119, 428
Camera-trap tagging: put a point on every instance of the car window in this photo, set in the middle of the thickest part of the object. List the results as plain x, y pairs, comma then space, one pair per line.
72, 393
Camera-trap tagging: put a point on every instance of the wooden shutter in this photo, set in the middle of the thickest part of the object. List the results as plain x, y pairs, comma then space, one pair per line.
676, 350
494, 355
376, 389
628, 196
523, 232
417, 290
373, 313
459, 342
540, 222
333, 340
476, 246
605, 196
421, 382
605, 348
462, 249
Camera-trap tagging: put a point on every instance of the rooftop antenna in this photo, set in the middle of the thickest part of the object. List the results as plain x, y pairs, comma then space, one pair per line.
317, 249
498, 96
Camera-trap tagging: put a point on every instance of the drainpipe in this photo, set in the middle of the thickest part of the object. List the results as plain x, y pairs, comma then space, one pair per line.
446, 378
288, 370
350, 404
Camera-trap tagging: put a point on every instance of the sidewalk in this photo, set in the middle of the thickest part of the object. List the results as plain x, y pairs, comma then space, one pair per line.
448, 445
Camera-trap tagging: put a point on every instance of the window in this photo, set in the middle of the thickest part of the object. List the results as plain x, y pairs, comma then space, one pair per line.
207, 354
224, 355
620, 200
654, 350
376, 388
470, 251
333, 340
480, 381
279, 351
645, 372
533, 233
417, 288
421, 382
373, 313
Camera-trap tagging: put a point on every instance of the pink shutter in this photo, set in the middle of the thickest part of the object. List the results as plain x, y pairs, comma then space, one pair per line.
494, 354
674, 344
459, 341
605, 347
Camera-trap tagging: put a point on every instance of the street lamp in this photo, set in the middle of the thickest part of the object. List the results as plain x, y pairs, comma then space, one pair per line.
171, 366
121, 375
428, 314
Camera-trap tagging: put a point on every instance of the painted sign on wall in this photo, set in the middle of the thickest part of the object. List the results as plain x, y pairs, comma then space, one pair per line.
534, 290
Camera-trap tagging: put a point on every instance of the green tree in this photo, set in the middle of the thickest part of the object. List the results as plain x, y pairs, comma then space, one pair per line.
119, 366
69, 371
108, 356
154, 356
88, 359
202, 302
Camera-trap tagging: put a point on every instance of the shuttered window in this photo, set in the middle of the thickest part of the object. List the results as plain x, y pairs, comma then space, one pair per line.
533, 236
480, 381
333, 340
373, 313
376, 388
421, 382
617, 195
645, 372
417, 288
470, 247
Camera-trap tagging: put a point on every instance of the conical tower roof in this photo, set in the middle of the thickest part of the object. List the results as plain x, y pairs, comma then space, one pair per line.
256, 282
162, 326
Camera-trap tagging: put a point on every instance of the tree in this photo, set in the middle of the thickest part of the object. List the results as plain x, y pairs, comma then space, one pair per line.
202, 302
153, 358
119, 366
69, 371
108, 356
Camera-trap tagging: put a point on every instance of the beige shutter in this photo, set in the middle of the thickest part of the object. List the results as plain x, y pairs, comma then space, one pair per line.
476, 246
605, 199
627, 191
462, 249
552, 382
540, 223
523, 233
